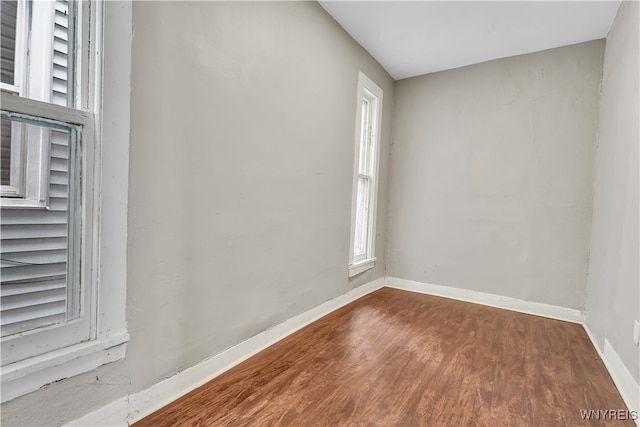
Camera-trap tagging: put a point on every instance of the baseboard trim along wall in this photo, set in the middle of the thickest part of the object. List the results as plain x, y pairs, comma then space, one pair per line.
624, 381
507, 303
627, 386
133, 407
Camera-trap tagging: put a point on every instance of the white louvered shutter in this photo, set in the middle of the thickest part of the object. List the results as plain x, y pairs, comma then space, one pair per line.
9, 11
60, 71
34, 242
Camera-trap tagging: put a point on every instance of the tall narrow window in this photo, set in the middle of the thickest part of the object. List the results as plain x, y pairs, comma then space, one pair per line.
365, 177
51, 188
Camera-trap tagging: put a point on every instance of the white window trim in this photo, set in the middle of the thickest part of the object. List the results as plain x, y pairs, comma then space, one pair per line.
24, 345
366, 85
110, 215
361, 266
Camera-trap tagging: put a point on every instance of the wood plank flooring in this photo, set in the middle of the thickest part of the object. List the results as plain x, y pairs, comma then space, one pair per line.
396, 358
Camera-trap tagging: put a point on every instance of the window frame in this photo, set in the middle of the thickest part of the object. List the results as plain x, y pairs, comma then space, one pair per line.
29, 152
371, 93
34, 342
104, 114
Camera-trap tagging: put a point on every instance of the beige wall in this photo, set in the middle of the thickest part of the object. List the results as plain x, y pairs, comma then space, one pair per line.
613, 301
242, 145
491, 171
243, 124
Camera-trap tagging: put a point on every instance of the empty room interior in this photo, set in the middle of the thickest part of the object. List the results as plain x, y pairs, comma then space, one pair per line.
320, 213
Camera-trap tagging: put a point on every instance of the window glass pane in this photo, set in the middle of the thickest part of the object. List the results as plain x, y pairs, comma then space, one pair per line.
8, 12
362, 218
38, 268
44, 29
363, 166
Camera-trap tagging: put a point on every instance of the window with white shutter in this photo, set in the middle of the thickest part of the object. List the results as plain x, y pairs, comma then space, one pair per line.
365, 177
49, 235
36, 257
36, 247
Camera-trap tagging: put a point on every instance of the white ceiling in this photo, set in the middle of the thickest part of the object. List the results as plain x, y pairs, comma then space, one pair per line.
410, 38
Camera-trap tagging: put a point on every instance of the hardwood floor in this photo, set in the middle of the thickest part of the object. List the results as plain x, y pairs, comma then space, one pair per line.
396, 358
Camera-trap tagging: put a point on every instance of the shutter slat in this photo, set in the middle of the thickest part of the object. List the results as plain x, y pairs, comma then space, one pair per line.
62, 6
32, 245
61, 32
60, 137
60, 46
59, 151
58, 205
27, 288
59, 85
59, 165
25, 325
60, 60
59, 72
59, 191
33, 231
27, 300
32, 272
58, 178
7, 51
14, 320
28, 216
58, 98
61, 19
36, 257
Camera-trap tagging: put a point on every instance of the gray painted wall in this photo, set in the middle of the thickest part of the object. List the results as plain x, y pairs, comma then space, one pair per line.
241, 173
613, 297
491, 171
242, 144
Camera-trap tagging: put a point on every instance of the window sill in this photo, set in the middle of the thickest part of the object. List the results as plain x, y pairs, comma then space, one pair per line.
21, 203
31, 374
361, 266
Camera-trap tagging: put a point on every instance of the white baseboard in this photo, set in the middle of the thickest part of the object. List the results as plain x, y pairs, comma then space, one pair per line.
136, 406
627, 386
507, 303
133, 407
624, 381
